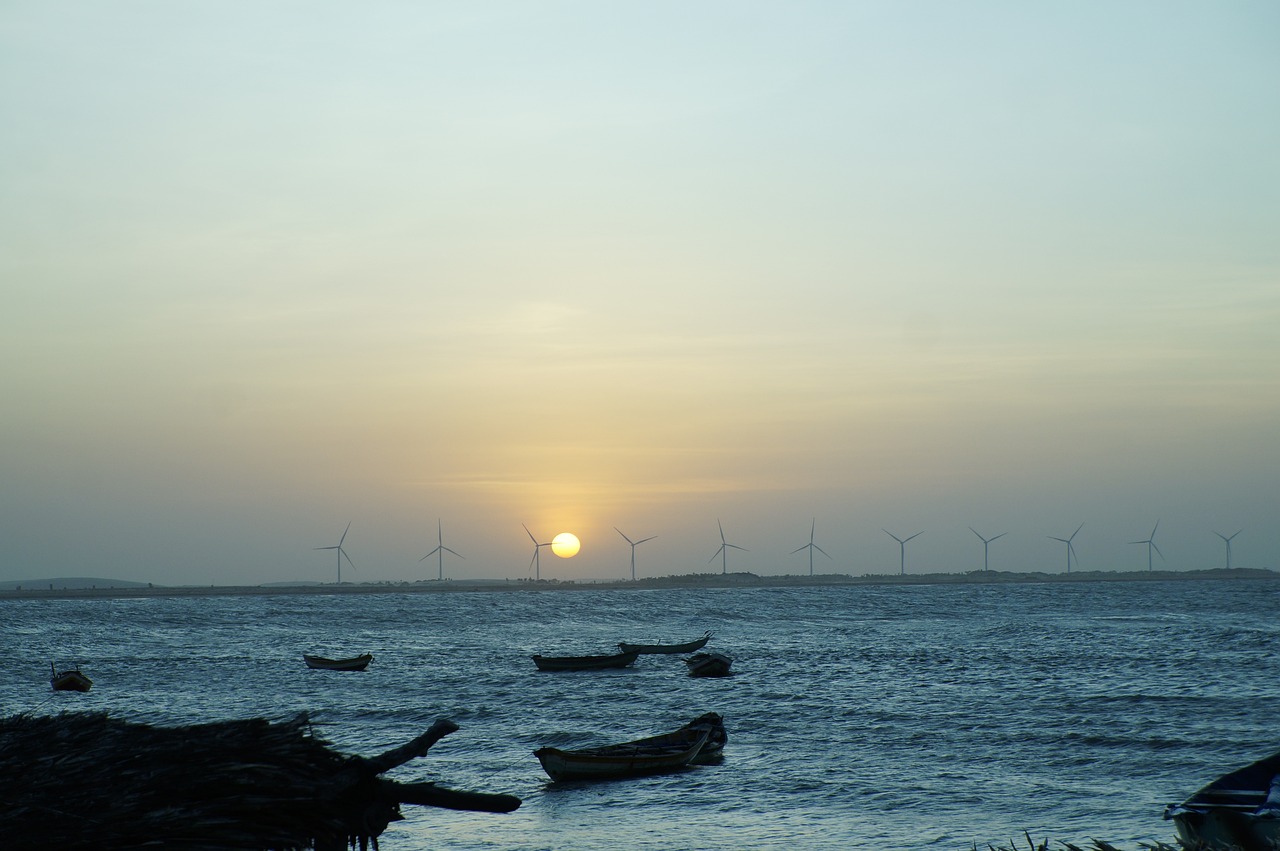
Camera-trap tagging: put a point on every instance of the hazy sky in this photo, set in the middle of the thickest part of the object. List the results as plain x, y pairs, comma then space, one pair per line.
270, 268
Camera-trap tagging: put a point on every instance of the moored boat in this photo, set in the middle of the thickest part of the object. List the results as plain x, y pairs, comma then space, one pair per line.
583, 663
687, 647
1240, 809
69, 680
355, 663
701, 741
708, 665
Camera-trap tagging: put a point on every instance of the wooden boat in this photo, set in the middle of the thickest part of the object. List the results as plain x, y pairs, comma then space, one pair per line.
699, 742
1240, 809
356, 663
583, 663
708, 665
69, 680
687, 647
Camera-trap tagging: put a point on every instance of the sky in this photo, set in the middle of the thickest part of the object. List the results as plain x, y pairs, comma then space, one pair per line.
269, 269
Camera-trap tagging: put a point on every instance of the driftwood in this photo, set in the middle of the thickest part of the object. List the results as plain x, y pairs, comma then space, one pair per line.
86, 781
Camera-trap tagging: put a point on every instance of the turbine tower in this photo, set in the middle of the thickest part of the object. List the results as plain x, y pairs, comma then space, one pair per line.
536, 562
633, 544
1151, 545
1071, 548
902, 548
341, 552
985, 543
440, 550
723, 552
811, 546
1227, 541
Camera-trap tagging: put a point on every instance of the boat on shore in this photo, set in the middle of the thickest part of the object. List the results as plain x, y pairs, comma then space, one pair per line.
69, 680
1241, 809
708, 665
321, 663
583, 663
687, 647
699, 742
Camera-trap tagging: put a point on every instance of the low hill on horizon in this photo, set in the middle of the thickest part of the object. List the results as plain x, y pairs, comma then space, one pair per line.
73, 582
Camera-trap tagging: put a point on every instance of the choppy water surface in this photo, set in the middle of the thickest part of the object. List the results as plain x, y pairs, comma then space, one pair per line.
874, 717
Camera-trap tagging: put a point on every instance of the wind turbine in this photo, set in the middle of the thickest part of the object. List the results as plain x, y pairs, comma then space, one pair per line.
1070, 547
902, 548
341, 552
633, 544
440, 550
1151, 545
723, 552
536, 562
811, 546
985, 543
1228, 543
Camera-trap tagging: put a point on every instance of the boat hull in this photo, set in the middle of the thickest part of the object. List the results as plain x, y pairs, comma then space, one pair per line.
1240, 809
320, 663
708, 665
583, 663
70, 681
699, 742
687, 647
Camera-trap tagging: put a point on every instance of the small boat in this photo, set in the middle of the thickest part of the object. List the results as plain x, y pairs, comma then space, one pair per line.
69, 680
708, 665
687, 647
583, 663
699, 742
1238, 810
356, 663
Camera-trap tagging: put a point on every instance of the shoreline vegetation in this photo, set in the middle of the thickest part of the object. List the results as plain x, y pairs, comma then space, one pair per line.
109, 588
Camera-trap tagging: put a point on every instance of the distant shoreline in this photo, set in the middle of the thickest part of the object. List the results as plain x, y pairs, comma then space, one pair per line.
692, 581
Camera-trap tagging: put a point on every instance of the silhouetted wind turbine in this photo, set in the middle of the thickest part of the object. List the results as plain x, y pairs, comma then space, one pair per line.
1227, 541
1151, 545
902, 548
341, 552
633, 544
1071, 548
811, 546
723, 552
985, 543
440, 550
536, 562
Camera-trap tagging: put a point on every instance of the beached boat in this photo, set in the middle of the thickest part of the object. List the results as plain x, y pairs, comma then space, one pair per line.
356, 663
1238, 810
701, 741
583, 663
69, 680
687, 647
708, 665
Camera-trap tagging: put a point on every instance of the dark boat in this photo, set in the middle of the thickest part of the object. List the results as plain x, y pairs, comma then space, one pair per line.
1238, 810
69, 680
356, 663
687, 647
708, 665
583, 663
699, 742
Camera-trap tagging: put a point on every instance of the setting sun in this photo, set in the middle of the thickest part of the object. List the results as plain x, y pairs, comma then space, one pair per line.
566, 545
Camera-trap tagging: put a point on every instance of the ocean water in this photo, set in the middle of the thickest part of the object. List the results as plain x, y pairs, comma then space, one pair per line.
886, 717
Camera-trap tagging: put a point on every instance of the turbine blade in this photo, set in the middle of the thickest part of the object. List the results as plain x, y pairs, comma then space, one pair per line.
459, 555
821, 550
798, 549
998, 537
916, 535
1077, 531
1157, 549
975, 531
624, 537
642, 540
530, 534
344, 533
